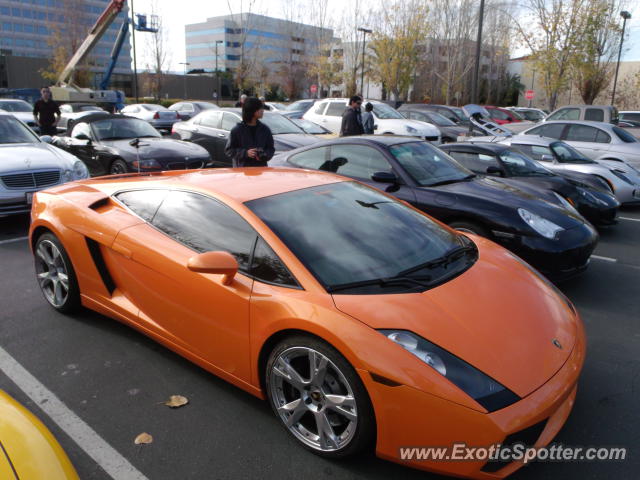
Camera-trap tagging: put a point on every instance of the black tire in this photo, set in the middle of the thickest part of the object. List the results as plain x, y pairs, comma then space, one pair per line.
49, 270
363, 436
469, 226
118, 167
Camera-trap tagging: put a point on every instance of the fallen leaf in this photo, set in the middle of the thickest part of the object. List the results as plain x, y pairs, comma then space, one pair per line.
176, 401
143, 438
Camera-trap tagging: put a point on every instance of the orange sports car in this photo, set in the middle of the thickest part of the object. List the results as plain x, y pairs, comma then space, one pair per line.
363, 322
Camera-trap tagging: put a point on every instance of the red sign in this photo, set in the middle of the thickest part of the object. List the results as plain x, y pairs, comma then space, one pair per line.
313, 88
529, 94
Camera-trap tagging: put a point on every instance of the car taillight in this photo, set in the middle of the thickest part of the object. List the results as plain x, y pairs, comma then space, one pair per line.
156, 115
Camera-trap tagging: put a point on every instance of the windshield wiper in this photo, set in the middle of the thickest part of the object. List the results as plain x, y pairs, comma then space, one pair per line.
452, 180
422, 281
451, 256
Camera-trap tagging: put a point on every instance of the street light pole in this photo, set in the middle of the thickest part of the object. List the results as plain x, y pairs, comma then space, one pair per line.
185, 77
364, 41
625, 16
135, 66
476, 70
218, 92
533, 83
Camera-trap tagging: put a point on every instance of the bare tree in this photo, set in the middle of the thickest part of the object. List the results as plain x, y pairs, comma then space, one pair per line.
352, 18
157, 53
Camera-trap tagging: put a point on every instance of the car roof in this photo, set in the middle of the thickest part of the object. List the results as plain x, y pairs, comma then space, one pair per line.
94, 117
236, 184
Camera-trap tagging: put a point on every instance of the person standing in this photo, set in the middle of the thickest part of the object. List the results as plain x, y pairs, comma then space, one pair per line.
46, 113
240, 103
250, 142
352, 118
367, 119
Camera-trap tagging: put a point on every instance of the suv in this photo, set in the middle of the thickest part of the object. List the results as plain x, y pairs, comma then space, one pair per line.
387, 120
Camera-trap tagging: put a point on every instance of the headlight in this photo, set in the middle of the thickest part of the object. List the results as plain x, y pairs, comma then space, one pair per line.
148, 164
410, 129
590, 197
541, 225
482, 388
80, 171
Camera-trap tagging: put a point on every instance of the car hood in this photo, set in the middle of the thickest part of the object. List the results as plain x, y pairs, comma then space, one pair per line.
399, 123
543, 187
511, 340
501, 196
289, 141
33, 156
158, 147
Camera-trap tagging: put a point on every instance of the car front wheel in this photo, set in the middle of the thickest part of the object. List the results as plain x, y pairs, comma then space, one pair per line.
319, 398
118, 167
55, 274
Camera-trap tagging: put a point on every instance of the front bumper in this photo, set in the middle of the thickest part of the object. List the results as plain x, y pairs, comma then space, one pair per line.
15, 202
434, 422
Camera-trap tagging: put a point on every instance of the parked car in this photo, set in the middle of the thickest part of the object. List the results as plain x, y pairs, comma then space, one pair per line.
514, 168
186, 110
562, 158
387, 120
455, 114
300, 105
502, 116
21, 110
552, 238
531, 114
29, 450
364, 323
159, 117
211, 129
115, 144
598, 141
71, 112
28, 164
313, 128
629, 115
293, 115
592, 113
276, 107
449, 131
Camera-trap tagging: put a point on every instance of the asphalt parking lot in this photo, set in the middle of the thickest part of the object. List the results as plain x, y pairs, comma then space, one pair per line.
114, 380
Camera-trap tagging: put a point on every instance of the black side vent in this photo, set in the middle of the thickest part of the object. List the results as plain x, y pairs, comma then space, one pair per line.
98, 259
103, 202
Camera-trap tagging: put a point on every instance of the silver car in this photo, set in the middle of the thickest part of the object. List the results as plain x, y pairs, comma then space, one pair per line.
596, 140
158, 116
28, 164
561, 157
19, 109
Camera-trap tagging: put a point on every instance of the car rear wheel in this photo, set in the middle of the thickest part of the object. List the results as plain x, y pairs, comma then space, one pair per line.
118, 167
319, 398
56, 276
469, 227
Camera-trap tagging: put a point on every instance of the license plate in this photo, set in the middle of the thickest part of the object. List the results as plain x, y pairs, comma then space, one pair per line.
29, 197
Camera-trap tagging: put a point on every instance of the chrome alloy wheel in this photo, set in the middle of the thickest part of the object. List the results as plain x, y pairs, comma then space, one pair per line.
52, 273
313, 399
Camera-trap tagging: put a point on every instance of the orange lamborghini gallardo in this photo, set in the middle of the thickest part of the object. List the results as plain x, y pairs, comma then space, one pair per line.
362, 321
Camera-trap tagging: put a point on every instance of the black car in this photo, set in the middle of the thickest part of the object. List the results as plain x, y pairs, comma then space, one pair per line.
553, 239
211, 130
188, 110
449, 131
117, 144
520, 171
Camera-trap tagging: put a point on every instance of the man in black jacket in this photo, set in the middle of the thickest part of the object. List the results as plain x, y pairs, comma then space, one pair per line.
250, 142
352, 119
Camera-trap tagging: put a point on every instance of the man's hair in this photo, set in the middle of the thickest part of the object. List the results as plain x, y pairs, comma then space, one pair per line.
243, 97
355, 98
368, 107
250, 106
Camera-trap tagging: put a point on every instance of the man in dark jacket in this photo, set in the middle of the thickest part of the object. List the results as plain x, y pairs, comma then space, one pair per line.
250, 142
351, 118
46, 113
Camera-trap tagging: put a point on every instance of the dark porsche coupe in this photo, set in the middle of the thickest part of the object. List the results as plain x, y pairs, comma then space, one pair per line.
114, 144
554, 239
514, 168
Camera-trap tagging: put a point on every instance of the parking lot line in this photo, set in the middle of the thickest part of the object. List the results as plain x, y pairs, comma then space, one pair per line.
631, 219
85, 437
11, 240
606, 259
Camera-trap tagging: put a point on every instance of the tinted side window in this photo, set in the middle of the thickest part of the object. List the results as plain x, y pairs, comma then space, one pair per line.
594, 114
602, 137
319, 110
499, 114
268, 267
210, 119
336, 109
357, 161
581, 133
229, 121
419, 116
205, 225
312, 159
448, 114
566, 114
144, 203
477, 162
534, 151
553, 130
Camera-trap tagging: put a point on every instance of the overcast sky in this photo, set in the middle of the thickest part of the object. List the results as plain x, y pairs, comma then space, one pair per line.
178, 13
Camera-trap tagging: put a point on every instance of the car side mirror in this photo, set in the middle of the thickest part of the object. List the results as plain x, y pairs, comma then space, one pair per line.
46, 138
384, 177
548, 158
493, 170
217, 263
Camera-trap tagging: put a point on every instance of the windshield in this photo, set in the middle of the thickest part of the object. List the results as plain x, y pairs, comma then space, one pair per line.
346, 232
309, 127
427, 165
279, 124
439, 120
300, 105
13, 131
114, 129
460, 113
384, 111
567, 154
531, 115
518, 165
625, 136
16, 106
